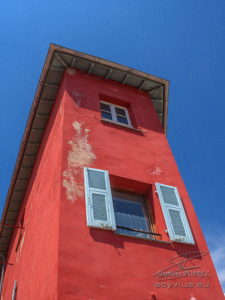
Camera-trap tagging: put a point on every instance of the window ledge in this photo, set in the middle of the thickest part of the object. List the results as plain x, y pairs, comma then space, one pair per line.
121, 125
142, 238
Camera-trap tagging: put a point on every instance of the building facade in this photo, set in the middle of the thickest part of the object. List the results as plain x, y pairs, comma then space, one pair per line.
97, 208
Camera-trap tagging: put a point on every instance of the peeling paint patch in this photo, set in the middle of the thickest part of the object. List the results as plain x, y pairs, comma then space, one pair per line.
81, 152
156, 171
77, 127
79, 156
72, 188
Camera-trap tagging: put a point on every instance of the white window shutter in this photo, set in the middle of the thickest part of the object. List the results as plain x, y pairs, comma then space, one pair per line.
175, 217
99, 204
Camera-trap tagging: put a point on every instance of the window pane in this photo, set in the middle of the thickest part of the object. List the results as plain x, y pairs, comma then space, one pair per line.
122, 119
120, 111
106, 115
131, 215
105, 107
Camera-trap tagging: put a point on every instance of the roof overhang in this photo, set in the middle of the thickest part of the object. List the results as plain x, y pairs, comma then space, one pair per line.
58, 59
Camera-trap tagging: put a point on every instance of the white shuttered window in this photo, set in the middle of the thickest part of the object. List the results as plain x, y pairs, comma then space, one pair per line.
99, 205
174, 214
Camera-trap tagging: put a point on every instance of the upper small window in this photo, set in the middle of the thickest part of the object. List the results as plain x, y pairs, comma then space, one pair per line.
115, 113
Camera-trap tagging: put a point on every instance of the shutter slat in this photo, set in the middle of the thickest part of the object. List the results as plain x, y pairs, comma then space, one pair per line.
96, 179
99, 207
177, 222
174, 213
169, 195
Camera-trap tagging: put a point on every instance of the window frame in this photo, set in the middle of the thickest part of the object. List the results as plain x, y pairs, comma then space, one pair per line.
110, 224
146, 213
114, 114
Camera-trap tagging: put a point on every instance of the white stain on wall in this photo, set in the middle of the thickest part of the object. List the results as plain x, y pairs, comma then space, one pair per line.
80, 155
156, 171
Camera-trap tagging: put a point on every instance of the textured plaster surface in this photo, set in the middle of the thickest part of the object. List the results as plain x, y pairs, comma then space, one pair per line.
79, 155
99, 264
62, 258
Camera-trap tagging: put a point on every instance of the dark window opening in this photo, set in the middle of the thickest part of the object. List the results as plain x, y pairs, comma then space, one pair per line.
131, 215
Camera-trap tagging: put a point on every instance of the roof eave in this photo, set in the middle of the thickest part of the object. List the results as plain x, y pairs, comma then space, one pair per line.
65, 57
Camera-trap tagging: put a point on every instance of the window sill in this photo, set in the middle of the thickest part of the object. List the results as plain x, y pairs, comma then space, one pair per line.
121, 125
142, 238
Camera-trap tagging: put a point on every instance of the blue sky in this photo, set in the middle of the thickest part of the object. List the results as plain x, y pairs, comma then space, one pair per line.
182, 41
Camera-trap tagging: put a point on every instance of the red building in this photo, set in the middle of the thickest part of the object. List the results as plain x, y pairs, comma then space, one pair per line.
97, 208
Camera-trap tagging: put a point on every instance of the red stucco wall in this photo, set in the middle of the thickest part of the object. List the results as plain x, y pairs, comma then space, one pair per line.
35, 263
94, 264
